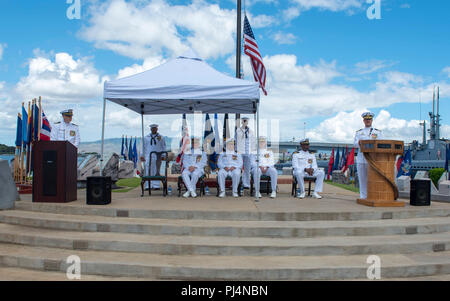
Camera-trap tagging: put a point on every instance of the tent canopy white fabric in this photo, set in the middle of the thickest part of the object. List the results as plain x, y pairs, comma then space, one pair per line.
183, 85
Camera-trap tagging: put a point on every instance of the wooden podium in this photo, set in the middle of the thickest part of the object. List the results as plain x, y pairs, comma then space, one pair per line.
54, 172
382, 190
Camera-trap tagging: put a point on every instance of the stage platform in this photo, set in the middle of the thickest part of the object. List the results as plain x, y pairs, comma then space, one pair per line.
209, 238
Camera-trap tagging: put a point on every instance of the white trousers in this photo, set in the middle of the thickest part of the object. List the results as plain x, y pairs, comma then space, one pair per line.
247, 170
319, 174
155, 184
235, 176
271, 172
362, 178
190, 178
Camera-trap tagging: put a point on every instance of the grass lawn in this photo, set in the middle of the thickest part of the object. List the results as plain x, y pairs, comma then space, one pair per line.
128, 183
350, 187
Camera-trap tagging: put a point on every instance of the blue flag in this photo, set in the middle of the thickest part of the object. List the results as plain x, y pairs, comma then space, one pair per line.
135, 154
24, 125
336, 160
19, 131
405, 167
209, 137
121, 148
36, 123
130, 150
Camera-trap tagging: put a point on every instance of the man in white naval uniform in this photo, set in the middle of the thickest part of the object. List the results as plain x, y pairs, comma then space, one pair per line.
66, 130
304, 163
230, 164
153, 142
367, 133
266, 167
194, 162
245, 145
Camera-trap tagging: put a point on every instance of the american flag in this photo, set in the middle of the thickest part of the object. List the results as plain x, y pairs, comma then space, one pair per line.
251, 49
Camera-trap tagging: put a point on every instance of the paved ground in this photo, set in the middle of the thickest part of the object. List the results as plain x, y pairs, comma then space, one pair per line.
334, 199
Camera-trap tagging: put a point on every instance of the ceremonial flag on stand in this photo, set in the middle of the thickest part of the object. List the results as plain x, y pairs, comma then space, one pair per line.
184, 142
130, 150
45, 128
330, 164
19, 131
36, 123
135, 154
216, 134
405, 167
122, 153
336, 160
350, 159
24, 126
342, 163
226, 132
251, 49
125, 150
447, 158
209, 138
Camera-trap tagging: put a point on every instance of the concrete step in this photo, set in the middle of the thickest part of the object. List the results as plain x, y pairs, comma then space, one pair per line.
201, 267
277, 229
224, 245
361, 213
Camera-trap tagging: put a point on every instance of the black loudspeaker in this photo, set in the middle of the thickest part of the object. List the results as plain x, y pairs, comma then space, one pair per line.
420, 193
98, 190
49, 169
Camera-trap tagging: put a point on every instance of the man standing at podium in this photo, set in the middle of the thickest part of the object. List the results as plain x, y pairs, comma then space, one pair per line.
366, 133
153, 142
66, 130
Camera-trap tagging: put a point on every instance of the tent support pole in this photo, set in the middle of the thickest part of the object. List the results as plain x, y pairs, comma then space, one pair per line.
257, 153
142, 141
103, 137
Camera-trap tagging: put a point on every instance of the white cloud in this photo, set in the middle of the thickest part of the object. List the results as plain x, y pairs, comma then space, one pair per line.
61, 78
446, 70
149, 63
284, 38
342, 127
147, 29
332, 5
2, 49
371, 66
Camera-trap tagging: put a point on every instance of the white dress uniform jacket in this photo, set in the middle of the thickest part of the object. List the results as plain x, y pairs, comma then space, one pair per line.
367, 133
62, 131
246, 145
302, 160
266, 159
229, 159
153, 143
198, 159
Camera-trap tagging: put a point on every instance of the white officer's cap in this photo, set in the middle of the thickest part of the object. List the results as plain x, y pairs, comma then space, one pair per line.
245, 118
262, 138
367, 115
304, 141
68, 112
153, 125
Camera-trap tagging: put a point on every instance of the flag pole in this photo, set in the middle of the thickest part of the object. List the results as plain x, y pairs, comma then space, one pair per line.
29, 142
21, 161
238, 53
40, 120
103, 137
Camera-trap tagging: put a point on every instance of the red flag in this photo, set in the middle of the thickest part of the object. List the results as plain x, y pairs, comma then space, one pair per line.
350, 159
330, 164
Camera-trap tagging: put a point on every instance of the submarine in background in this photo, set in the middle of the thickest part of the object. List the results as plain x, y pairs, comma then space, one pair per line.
430, 153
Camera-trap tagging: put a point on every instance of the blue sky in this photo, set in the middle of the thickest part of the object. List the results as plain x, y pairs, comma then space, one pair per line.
326, 61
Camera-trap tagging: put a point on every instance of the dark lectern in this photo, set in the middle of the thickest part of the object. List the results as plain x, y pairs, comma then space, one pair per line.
54, 172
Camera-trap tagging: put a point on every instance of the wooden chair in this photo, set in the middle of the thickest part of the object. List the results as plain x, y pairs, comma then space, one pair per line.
148, 179
308, 179
266, 187
200, 185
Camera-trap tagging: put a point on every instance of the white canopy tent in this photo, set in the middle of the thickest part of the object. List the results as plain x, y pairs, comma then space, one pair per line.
186, 84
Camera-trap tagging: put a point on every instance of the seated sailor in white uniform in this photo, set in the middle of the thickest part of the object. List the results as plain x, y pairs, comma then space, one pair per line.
153, 142
230, 164
304, 164
366, 133
66, 130
194, 162
266, 167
